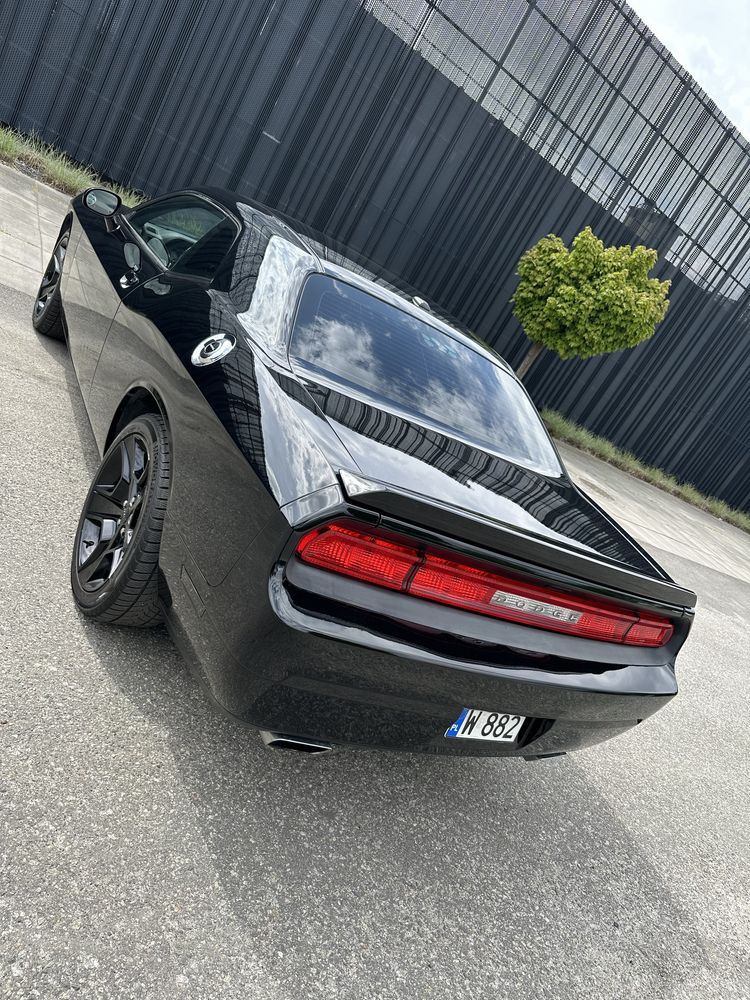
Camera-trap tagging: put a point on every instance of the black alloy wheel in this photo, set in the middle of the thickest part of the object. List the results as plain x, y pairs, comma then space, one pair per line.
47, 312
115, 564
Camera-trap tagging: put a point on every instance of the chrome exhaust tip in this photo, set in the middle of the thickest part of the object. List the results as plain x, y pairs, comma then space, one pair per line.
281, 741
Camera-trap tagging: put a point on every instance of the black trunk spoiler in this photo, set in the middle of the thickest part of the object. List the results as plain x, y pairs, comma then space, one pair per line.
523, 551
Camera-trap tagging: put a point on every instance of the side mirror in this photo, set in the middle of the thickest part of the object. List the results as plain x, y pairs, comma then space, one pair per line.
103, 202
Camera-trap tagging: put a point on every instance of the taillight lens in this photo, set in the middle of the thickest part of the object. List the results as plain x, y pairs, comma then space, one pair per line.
385, 563
649, 632
353, 553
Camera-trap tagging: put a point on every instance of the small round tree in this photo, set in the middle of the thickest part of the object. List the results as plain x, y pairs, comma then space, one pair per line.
588, 300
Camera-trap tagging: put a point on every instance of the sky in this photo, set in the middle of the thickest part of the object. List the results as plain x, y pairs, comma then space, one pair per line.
711, 38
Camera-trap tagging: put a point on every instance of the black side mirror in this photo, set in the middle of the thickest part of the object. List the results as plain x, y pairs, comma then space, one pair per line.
103, 202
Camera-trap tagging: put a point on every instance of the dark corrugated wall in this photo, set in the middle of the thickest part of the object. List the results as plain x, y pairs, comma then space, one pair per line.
442, 139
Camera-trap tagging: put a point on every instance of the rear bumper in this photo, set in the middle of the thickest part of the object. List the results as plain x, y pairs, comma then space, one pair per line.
309, 673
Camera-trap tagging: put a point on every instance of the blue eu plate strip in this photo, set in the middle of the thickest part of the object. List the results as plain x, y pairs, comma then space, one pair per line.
455, 729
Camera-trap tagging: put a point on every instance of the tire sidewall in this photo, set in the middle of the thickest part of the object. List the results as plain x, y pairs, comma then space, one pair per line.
48, 318
152, 429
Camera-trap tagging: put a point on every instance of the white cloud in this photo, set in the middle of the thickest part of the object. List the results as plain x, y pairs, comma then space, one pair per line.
712, 41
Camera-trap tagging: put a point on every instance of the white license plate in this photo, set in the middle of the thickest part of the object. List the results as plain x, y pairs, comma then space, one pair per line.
474, 724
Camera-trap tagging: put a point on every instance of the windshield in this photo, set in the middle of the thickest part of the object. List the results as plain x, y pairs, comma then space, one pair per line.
357, 338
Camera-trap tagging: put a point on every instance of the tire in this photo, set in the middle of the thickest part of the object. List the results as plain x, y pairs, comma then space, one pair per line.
47, 314
114, 570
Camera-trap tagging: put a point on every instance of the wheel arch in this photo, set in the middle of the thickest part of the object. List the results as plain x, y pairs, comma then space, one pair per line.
136, 402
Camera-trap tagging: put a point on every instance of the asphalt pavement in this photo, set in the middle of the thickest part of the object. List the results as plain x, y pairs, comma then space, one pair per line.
151, 849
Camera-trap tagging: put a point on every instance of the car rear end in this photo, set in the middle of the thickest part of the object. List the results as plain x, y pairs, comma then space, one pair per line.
454, 592
369, 630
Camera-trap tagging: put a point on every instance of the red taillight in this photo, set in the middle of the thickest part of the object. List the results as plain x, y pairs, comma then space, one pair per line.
490, 593
365, 557
650, 632
463, 585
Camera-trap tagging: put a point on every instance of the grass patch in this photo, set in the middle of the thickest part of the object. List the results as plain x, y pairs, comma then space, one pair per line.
565, 430
54, 167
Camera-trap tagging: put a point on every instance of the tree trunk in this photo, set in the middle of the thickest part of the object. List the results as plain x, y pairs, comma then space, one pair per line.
531, 355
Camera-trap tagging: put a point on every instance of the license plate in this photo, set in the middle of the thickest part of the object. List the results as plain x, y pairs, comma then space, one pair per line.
474, 724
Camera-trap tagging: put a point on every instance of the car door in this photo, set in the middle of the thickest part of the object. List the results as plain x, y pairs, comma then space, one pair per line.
167, 234
182, 239
97, 277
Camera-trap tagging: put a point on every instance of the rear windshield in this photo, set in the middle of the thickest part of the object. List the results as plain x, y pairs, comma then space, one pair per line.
360, 340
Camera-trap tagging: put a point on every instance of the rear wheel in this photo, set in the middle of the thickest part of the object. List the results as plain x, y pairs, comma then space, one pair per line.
47, 313
115, 564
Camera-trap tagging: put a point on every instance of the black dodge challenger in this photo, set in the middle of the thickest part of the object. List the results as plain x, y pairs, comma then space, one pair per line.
346, 509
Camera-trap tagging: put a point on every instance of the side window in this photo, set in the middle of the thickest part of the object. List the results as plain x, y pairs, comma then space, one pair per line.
186, 233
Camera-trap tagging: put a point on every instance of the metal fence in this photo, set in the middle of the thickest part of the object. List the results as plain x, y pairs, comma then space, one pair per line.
441, 138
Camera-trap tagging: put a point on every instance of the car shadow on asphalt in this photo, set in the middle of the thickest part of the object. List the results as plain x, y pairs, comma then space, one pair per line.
401, 864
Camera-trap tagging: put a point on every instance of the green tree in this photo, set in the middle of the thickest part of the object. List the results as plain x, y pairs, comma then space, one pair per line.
588, 300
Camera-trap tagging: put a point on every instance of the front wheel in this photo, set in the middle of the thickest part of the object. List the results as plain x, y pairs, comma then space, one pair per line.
47, 313
114, 570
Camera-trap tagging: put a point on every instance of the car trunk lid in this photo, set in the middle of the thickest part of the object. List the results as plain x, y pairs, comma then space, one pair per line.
420, 476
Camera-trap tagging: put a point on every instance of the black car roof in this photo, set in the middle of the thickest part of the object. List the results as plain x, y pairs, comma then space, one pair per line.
335, 252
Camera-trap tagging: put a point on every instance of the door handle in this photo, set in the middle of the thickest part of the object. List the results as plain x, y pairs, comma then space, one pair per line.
129, 278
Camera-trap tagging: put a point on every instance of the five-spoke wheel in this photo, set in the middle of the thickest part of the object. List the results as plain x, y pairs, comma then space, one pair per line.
111, 515
114, 569
47, 312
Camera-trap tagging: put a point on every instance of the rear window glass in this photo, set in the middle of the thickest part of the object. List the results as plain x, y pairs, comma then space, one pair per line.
357, 338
